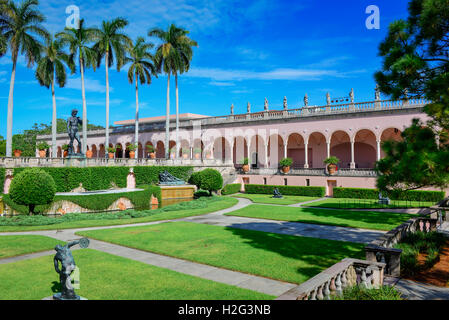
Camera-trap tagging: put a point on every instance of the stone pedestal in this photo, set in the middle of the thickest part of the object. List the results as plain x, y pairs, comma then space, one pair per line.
57, 296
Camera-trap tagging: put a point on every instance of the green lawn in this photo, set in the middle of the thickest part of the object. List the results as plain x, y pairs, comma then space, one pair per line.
108, 277
341, 203
276, 256
344, 218
268, 198
224, 203
11, 246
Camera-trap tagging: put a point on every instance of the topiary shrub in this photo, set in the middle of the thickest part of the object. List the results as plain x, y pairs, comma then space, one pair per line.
195, 179
210, 180
32, 187
231, 188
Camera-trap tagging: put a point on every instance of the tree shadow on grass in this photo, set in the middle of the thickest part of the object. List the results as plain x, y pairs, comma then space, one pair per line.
313, 255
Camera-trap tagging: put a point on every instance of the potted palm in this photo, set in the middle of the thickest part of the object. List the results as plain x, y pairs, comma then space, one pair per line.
197, 153
152, 151
286, 164
185, 153
65, 148
42, 147
331, 162
111, 152
131, 148
245, 165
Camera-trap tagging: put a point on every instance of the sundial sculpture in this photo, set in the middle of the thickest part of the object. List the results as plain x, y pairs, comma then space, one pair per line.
72, 131
166, 179
65, 257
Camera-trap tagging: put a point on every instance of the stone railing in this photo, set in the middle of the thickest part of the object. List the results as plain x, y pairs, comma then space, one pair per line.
382, 249
16, 162
311, 172
332, 281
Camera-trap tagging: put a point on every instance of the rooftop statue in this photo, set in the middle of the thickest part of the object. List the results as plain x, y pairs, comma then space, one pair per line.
165, 178
377, 93
248, 108
72, 130
351, 95
328, 99
265, 105
285, 103
232, 108
65, 257
306, 100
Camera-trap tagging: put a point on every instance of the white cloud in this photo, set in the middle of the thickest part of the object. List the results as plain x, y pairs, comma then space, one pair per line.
91, 85
221, 84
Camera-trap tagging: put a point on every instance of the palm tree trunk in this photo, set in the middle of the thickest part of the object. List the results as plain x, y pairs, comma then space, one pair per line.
53, 123
137, 120
177, 116
167, 121
10, 107
107, 100
84, 146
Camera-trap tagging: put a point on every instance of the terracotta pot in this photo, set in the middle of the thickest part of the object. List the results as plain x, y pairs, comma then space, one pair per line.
111, 155
285, 169
66, 153
185, 155
245, 168
332, 168
152, 155
172, 155
89, 154
208, 156
197, 155
42, 153
17, 153
132, 154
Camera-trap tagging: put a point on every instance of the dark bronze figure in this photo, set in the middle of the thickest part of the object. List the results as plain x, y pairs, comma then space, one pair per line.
277, 194
72, 130
166, 178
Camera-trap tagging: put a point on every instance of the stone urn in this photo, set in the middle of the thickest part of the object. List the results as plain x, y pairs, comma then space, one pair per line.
245, 168
17, 153
132, 154
89, 154
152, 155
42, 153
332, 168
286, 169
66, 153
111, 155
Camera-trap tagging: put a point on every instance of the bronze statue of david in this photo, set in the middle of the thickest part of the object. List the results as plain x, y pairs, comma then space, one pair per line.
72, 130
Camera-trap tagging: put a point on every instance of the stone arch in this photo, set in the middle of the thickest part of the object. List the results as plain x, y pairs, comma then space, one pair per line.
140, 150
317, 149
160, 150
296, 149
94, 151
198, 149
222, 149
240, 150
59, 153
276, 149
184, 149
148, 143
119, 152
340, 147
365, 149
102, 151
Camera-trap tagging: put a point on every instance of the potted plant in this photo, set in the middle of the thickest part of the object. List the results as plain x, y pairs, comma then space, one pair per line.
245, 165
152, 151
131, 148
331, 162
185, 153
65, 148
197, 153
111, 152
89, 153
17, 152
286, 164
172, 152
42, 147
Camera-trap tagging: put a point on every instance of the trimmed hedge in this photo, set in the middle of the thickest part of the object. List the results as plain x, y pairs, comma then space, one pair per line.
101, 178
2, 178
231, 189
97, 202
412, 195
286, 190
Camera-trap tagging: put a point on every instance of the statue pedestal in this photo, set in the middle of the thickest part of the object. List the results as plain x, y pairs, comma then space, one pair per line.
57, 296
75, 160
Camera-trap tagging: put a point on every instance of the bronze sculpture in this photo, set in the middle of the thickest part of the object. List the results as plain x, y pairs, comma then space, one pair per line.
165, 178
72, 130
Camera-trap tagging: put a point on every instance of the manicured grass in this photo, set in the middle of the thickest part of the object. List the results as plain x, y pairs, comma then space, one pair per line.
11, 246
276, 256
346, 203
344, 218
160, 214
268, 199
108, 277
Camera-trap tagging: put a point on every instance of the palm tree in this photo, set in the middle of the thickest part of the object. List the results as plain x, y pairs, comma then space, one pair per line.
3, 45
51, 67
20, 24
110, 42
141, 69
168, 59
78, 40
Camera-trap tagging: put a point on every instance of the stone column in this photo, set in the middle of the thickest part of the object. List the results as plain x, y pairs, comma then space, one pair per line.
306, 152
248, 148
378, 150
266, 155
328, 148
285, 150
352, 165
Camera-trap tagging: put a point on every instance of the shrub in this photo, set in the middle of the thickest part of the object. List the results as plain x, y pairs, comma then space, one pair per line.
331, 160
195, 179
32, 187
286, 190
359, 293
2, 179
286, 162
112, 149
412, 195
131, 147
231, 189
43, 146
65, 147
151, 148
201, 193
245, 161
210, 180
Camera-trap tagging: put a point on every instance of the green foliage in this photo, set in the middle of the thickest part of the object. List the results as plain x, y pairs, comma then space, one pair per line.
195, 178
245, 161
111, 149
210, 180
65, 147
331, 160
286, 190
43, 146
151, 149
2, 146
32, 187
131, 147
2, 179
286, 162
359, 293
201, 193
415, 64
418, 242
231, 189
411, 195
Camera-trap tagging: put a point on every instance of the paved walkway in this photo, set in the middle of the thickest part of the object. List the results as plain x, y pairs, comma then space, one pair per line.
412, 290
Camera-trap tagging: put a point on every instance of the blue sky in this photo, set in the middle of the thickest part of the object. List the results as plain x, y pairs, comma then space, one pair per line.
248, 50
